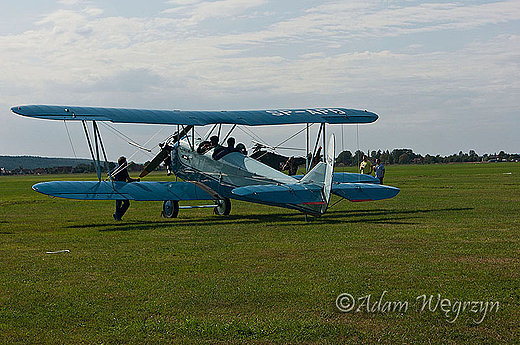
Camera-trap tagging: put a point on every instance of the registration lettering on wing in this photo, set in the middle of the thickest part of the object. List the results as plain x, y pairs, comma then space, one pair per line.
325, 111
279, 112
310, 111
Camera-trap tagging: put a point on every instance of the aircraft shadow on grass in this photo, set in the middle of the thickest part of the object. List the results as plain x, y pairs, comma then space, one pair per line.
388, 216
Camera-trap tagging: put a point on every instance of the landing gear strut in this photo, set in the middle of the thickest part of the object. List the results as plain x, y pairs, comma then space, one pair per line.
222, 207
170, 209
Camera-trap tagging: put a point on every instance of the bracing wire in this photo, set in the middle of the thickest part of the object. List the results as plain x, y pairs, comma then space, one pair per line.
153, 136
229, 133
252, 134
128, 139
70, 139
286, 140
337, 202
197, 134
140, 151
117, 131
292, 136
131, 141
206, 136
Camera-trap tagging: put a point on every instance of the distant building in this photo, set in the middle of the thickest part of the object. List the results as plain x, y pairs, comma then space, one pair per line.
39, 171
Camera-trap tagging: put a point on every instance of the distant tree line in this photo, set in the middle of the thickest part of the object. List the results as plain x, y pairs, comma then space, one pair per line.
34, 162
407, 156
345, 158
78, 169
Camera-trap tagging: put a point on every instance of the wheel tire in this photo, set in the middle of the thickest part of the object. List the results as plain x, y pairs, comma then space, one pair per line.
223, 207
170, 209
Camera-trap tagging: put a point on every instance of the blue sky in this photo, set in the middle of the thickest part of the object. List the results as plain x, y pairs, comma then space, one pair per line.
443, 76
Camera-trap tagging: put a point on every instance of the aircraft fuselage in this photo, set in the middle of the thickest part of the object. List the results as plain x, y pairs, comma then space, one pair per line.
219, 177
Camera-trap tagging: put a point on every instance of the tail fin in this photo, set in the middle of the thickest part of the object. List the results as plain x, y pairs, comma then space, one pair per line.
316, 175
321, 175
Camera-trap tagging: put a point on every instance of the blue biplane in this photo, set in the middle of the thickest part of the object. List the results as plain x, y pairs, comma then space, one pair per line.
234, 176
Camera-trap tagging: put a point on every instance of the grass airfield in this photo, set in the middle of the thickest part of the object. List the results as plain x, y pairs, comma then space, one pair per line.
262, 274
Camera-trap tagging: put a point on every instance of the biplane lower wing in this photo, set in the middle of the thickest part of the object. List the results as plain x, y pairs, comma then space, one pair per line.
364, 191
353, 178
108, 190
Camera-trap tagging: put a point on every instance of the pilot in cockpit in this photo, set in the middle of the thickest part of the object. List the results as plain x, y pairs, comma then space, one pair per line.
205, 146
220, 151
241, 148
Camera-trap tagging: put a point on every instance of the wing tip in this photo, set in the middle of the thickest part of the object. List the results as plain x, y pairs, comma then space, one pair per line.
17, 110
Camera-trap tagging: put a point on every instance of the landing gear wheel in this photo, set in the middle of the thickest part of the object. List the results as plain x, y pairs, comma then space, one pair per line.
223, 207
170, 209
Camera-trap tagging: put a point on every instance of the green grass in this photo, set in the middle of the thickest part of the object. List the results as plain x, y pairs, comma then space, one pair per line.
263, 274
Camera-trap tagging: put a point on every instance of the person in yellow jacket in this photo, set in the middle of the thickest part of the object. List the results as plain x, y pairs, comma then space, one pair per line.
366, 166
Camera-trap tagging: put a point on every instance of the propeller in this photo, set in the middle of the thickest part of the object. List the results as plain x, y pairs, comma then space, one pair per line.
166, 148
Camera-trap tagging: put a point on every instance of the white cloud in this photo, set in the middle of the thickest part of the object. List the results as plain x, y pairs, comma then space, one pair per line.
93, 11
196, 11
72, 2
62, 17
347, 20
82, 57
183, 2
72, 41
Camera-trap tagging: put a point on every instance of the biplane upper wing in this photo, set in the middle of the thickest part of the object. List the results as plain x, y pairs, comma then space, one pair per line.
198, 118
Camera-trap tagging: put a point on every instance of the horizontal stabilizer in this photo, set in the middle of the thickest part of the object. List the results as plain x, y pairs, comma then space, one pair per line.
353, 178
107, 190
281, 194
341, 177
364, 191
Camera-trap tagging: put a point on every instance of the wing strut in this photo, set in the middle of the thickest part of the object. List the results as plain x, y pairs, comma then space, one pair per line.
98, 144
227, 135
322, 129
102, 149
307, 162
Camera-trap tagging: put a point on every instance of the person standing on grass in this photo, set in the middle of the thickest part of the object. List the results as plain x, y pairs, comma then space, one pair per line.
366, 166
291, 166
379, 168
122, 175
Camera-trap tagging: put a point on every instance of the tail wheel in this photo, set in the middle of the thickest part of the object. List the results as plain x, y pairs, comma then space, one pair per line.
223, 207
170, 209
